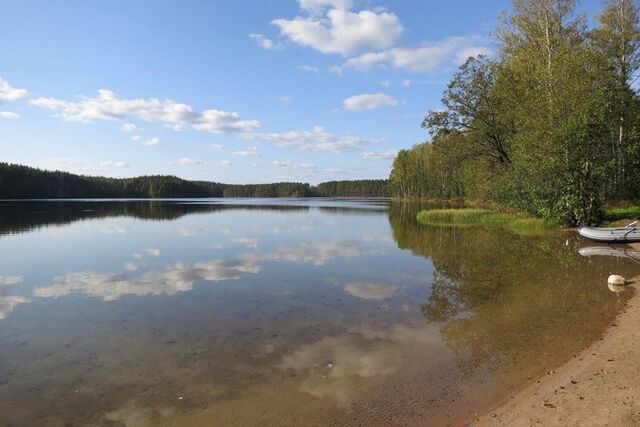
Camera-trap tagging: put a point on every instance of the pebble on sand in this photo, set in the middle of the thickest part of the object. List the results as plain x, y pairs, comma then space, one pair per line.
616, 280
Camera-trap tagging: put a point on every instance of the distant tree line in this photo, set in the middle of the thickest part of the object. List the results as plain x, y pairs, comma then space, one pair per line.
278, 189
24, 182
549, 125
357, 188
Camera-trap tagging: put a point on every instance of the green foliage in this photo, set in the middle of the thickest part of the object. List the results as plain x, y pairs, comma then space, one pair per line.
551, 128
278, 189
357, 188
627, 212
23, 182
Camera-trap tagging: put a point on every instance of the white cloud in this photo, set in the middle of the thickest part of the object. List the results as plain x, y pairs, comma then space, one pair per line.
226, 163
286, 99
186, 161
427, 57
308, 68
369, 101
472, 51
109, 164
128, 127
315, 140
406, 83
106, 105
287, 164
152, 142
66, 162
9, 115
9, 93
264, 42
251, 150
215, 146
385, 83
136, 138
340, 30
377, 155
318, 6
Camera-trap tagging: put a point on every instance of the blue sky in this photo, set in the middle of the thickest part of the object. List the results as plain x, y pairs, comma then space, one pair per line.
237, 92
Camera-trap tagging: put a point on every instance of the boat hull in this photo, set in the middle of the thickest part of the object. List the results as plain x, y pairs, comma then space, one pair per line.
611, 235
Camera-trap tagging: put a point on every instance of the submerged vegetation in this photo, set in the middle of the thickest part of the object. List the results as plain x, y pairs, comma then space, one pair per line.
549, 126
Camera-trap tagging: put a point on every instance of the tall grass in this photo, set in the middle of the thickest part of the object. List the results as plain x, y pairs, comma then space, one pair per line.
627, 212
482, 217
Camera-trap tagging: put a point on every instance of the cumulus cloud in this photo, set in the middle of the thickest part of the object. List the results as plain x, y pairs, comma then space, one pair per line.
308, 68
369, 101
251, 150
9, 115
288, 164
152, 142
110, 164
187, 161
128, 127
319, 6
136, 138
427, 57
378, 155
226, 163
10, 93
264, 42
339, 30
107, 105
315, 140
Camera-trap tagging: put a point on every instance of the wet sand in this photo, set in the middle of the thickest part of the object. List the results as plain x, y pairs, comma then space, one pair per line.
600, 386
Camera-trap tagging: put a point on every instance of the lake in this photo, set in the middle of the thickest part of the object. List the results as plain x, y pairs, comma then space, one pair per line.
281, 312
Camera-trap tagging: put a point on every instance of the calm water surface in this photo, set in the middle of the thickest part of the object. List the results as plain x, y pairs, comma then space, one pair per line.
280, 312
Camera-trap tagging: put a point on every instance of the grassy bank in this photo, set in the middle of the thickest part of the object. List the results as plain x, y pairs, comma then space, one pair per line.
484, 217
631, 212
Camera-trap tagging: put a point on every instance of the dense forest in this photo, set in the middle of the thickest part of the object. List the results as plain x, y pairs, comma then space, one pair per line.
549, 125
358, 188
278, 189
23, 182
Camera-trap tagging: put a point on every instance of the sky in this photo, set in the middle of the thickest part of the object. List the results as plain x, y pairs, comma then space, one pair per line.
241, 91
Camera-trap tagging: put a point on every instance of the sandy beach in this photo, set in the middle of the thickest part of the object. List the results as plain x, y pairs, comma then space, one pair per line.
599, 386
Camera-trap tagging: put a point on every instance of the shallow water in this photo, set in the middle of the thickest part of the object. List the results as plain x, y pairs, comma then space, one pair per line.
280, 312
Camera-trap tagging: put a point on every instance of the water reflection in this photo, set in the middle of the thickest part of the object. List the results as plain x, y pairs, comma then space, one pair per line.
178, 278
323, 312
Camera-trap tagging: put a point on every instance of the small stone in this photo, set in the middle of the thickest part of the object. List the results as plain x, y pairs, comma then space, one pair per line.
616, 280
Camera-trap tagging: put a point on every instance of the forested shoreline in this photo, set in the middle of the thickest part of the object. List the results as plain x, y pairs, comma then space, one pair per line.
24, 182
548, 126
